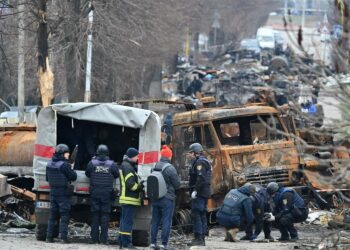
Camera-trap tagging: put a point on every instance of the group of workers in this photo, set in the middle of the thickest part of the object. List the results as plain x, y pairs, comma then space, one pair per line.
245, 207
250, 205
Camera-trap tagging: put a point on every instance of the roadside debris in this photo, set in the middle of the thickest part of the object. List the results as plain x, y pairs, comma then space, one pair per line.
15, 202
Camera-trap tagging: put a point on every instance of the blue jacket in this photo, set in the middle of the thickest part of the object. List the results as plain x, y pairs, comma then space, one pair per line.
237, 204
59, 173
261, 203
286, 199
200, 177
102, 173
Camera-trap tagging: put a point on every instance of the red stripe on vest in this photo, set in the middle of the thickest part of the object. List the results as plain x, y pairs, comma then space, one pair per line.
43, 151
149, 157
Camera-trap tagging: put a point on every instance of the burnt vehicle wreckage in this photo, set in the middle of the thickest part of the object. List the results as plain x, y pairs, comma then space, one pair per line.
254, 142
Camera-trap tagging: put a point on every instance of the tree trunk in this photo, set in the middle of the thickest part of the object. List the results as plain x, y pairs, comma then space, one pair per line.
45, 74
71, 60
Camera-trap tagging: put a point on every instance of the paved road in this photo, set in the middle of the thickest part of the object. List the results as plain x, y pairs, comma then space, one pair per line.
307, 234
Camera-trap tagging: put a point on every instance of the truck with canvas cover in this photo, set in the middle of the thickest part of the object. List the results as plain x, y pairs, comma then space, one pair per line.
83, 126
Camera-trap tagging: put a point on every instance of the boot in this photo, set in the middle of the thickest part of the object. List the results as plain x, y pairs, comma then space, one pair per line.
269, 237
203, 239
49, 240
232, 235
197, 241
226, 235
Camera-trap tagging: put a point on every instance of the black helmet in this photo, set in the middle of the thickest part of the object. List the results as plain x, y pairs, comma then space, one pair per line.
196, 148
272, 187
250, 187
61, 149
102, 150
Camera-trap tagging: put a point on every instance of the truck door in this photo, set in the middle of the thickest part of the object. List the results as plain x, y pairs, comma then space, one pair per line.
183, 137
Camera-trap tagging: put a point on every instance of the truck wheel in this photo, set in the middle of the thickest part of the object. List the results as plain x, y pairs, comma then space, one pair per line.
141, 238
183, 221
40, 232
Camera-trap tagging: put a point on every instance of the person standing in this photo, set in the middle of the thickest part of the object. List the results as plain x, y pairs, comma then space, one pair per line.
163, 208
130, 196
59, 174
200, 189
236, 211
289, 209
102, 173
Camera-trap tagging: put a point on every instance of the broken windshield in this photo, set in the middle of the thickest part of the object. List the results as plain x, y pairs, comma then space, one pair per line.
249, 130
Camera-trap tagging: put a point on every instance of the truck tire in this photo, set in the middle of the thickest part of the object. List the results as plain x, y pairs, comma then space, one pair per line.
40, 232
183, 221
141, 238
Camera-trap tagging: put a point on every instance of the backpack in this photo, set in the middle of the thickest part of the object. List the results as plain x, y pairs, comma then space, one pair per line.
156, 185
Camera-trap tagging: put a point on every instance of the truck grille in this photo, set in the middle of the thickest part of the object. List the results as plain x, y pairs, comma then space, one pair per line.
263, 177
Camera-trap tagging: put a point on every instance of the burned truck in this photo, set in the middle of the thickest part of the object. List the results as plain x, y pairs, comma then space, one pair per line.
239, 144
245, 144
84, 126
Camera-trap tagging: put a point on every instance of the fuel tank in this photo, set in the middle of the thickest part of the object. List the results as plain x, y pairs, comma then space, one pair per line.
17, 146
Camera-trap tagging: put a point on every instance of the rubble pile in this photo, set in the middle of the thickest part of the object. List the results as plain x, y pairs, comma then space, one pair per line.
16, 207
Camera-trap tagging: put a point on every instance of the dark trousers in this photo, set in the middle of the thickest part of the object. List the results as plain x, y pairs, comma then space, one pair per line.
286, 221
228, 221
260, 225
199, 215
162, 212
126, 224
100, 212
59, 210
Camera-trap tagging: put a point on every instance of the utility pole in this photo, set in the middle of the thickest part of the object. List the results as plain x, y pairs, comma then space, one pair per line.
87, 97
303, 15
285, 8
21, 64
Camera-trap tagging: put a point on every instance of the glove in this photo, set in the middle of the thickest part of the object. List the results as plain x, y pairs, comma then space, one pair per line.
141, 186
269, 217
194, 195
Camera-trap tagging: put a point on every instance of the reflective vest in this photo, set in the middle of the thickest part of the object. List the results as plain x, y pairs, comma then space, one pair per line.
128, 196
233, 203
55, 176
101, 177
297, 200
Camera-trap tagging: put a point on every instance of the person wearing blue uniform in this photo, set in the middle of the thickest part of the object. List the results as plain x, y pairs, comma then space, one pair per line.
289, 209
200, 189
102, 173
236, 211
260, 205
59, 174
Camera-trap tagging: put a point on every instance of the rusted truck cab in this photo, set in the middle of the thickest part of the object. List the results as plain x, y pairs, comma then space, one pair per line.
248, 143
